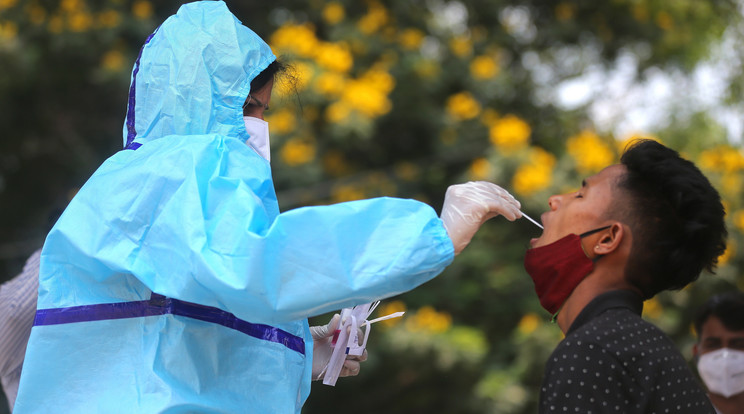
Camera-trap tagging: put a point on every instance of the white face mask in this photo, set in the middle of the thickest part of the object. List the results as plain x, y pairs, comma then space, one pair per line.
258, 131
723, 371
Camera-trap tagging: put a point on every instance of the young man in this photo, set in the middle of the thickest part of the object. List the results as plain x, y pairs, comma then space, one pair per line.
651, 223
720, 351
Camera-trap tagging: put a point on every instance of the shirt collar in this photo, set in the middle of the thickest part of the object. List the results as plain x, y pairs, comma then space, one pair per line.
608, 300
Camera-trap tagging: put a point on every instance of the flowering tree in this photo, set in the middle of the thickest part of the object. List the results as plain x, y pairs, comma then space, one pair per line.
391, 98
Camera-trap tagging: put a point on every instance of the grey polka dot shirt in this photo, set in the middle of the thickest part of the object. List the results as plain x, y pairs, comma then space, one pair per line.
613, 361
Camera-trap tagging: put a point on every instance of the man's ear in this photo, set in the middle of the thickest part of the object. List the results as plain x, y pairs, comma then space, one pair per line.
610, 239
695, 350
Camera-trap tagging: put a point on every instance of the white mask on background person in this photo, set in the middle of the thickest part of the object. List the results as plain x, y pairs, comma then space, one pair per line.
723, 371
258, 136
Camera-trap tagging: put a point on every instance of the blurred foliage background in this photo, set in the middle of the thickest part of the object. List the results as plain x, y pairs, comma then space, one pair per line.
398, 98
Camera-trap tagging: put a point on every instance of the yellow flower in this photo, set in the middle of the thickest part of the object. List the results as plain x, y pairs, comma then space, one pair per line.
282, 121
565, 11
8, 30
509, 133
337, 112
333, 13
36, 14
334, 56
142, 9
366, 97
652, 308
342, 193
330, 83
80, 21
388, 308
376, 17
411, 39
297, 151
664, 20
484, 67
462, 106
731, 184
480, 169
534, 175
724, 159
379, 79
294, 39
113, 60
728, 253
109, 18
6, 4
298, 76
539, 156
589, 151
738, 220
530, 178
461, 46
623, 144
71, 6
428, 319
528, 324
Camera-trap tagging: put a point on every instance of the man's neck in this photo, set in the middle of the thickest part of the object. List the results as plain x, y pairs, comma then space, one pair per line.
596, 283
725, 405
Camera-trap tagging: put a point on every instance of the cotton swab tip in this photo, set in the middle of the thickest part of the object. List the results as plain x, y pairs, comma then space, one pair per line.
532, 220
382, 318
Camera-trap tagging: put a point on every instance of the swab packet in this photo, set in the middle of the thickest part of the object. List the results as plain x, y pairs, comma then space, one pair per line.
346, 338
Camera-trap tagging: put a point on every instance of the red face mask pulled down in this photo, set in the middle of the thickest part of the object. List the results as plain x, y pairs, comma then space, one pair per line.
557, 268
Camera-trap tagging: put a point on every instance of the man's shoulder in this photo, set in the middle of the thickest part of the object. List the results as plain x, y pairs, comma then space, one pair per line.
617, 323
616, 335
619, 360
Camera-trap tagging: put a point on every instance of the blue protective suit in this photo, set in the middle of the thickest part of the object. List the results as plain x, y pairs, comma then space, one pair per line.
172, 283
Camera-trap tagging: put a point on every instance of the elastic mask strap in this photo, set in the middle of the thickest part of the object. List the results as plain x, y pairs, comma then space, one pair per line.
590, 232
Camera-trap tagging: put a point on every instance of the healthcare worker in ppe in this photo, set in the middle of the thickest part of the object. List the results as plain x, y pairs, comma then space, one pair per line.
172, 283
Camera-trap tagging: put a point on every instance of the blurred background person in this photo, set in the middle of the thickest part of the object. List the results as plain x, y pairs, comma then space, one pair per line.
17, 309
719, 351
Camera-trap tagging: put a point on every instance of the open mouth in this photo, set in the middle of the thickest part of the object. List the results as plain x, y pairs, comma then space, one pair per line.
542, 228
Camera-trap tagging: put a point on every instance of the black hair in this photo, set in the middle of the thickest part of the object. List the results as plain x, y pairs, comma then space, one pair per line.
275, 68
675, 217
727, 307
